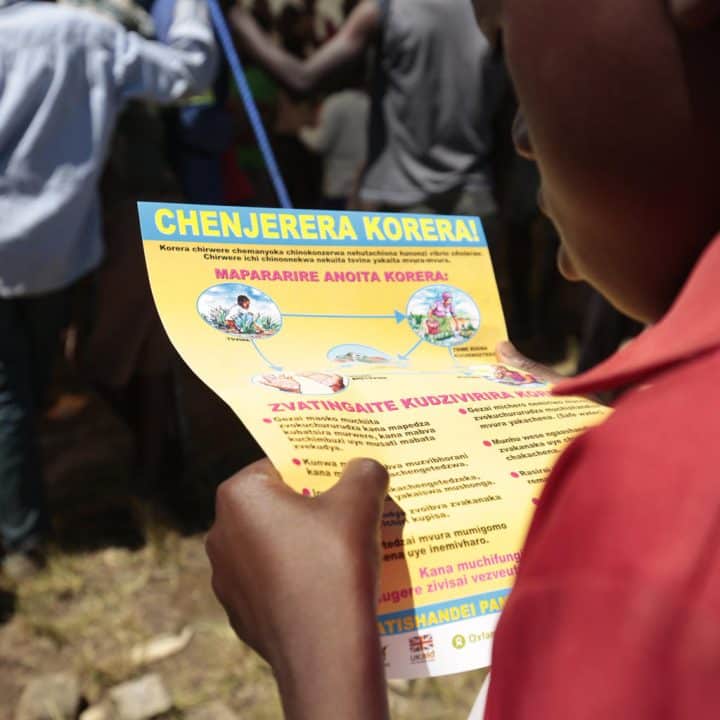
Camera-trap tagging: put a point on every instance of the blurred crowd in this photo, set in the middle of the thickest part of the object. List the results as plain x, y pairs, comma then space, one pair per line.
354, 124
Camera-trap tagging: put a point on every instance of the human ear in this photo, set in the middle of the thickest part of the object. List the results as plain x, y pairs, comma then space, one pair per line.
694, 14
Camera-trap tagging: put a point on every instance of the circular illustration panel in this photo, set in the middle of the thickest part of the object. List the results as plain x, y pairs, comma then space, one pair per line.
240, 310
352, 353
443, 315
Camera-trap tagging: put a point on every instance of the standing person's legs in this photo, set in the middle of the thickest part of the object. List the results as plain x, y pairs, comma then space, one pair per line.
29, 329
480, 203
460, 201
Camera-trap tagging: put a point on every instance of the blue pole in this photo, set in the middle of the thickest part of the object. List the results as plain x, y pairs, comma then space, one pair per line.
249, 102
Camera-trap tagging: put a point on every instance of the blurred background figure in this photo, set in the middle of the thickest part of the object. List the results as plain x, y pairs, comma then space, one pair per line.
123, 351
62, 90
423, 156
604, 330
132, 16
340, 138
199, 128
246, 178
302, 169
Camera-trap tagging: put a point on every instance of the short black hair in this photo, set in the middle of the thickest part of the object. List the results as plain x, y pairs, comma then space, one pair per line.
243, 299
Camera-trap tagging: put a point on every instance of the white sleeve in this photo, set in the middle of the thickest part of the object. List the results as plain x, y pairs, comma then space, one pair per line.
320, 138
478, 709
187, 64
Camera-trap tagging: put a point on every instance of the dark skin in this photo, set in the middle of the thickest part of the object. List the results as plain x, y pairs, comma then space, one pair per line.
621, 114
345, 49
623, 145
303, 77
285, 613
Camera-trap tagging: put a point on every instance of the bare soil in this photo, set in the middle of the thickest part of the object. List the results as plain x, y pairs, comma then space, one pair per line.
123, 571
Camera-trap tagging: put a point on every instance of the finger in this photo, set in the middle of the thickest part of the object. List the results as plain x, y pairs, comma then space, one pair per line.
507, 353
362, 487
252, 482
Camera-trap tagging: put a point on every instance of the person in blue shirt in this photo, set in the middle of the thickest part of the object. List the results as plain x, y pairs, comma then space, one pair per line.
65, 74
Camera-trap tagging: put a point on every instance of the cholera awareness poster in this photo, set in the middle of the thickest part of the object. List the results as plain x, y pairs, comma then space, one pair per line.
338, 335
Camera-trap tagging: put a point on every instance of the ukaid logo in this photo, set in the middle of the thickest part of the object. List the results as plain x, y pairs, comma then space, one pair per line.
422, 648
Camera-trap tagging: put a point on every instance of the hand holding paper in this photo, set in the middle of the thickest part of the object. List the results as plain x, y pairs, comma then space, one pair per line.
298, 578
507, 353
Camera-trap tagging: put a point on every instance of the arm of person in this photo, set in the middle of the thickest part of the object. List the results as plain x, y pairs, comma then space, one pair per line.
187, 64
298, 578
305, 76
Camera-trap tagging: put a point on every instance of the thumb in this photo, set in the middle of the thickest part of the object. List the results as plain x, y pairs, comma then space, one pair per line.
507, 353
362, 487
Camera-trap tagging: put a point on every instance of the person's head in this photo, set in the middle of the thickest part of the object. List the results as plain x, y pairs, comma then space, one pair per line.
622, 112
243, 301
446, 298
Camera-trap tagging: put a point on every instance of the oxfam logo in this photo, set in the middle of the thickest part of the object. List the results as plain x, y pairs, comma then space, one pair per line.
459, 642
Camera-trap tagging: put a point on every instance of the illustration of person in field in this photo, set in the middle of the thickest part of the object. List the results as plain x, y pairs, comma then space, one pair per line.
442, 309
240, 319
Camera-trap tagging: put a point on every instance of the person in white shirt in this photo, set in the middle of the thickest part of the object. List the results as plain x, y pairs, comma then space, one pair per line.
340, 136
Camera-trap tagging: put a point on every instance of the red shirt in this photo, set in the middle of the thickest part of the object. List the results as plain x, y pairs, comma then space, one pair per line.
616, 611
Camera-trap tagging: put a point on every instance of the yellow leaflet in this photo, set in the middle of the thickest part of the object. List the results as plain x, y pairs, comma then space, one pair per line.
338, 335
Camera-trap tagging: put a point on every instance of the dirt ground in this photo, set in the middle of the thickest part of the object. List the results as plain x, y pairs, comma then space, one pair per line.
122, 573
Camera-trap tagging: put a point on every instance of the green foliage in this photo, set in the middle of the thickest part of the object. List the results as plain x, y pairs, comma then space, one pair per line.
216, 316
268, 324
446, 328
416, 321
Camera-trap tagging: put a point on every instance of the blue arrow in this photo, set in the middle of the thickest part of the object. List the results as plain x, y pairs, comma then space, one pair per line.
263, 356
406, 355
253, 114
397, 316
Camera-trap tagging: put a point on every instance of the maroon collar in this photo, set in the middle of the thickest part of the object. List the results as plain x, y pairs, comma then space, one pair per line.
690, 328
